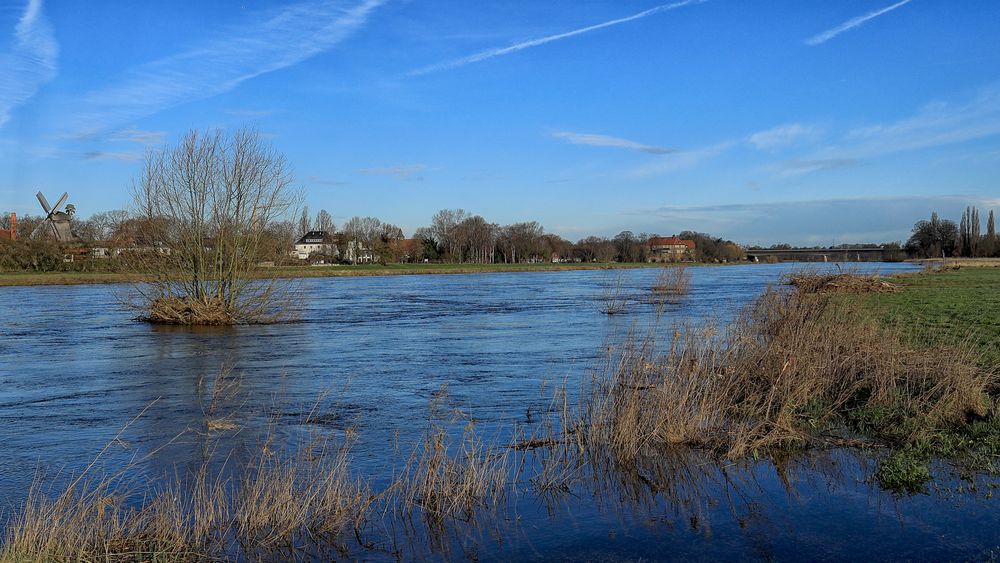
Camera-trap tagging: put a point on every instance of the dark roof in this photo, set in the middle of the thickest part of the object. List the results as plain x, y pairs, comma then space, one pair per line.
316, 237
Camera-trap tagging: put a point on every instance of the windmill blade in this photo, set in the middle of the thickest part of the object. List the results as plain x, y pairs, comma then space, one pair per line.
44, 202
61, 201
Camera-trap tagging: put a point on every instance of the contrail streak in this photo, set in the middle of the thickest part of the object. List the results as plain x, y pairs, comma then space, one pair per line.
491, 53
852, 23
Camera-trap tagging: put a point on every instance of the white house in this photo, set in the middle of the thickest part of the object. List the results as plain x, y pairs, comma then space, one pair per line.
358, 254
320, 242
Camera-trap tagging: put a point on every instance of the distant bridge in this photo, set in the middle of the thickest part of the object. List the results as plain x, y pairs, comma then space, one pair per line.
867, 254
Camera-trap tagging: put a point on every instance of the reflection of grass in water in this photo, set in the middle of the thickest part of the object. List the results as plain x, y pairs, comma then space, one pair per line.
674, 426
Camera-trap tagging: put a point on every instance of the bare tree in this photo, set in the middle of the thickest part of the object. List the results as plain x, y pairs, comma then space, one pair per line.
102, 226
990, 243
443, 227
204, 209
324, 222
304, 224
365, 238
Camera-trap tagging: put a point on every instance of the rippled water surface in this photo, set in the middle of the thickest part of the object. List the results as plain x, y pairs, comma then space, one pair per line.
370, 353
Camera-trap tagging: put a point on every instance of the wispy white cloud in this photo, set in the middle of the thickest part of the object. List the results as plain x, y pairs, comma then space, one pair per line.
934, 125
274, 41
595, 140
783, 136
680, 160
123, 156
321, 181
139, 136
251, 113
796, 167
402, 171
31, 61
497, 52
850, 24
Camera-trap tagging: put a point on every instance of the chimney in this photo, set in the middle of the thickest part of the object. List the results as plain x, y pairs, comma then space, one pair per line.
13, 226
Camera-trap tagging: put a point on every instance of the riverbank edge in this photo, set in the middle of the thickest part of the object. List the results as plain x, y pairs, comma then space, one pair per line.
27, 279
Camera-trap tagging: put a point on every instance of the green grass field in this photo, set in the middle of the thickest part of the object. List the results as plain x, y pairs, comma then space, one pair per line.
951, 307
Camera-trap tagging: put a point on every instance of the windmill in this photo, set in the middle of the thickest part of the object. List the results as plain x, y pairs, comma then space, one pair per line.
56, 223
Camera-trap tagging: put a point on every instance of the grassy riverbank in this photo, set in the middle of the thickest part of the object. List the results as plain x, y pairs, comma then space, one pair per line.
81, 278
949, 307
955, 311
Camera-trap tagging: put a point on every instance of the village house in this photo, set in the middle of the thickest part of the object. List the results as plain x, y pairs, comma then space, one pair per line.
10, 233
315, 242
670, 249
356, 253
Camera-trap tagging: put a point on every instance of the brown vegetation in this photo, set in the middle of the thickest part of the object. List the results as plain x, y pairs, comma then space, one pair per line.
672, 283
454, 480
840, 283
790, 363
275, 503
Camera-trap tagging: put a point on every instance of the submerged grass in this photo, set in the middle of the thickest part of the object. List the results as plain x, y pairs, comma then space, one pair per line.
274, 504
672, 283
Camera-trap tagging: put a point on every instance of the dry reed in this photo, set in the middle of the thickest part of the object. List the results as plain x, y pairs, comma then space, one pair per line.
453, 480
788, 355
672, 283
841, 282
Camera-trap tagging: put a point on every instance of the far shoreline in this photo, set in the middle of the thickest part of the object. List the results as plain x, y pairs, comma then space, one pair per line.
27, 279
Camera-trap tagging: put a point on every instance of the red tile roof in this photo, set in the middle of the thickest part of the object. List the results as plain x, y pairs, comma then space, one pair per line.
670, 241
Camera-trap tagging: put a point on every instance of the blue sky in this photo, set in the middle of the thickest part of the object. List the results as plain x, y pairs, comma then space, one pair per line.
763, 121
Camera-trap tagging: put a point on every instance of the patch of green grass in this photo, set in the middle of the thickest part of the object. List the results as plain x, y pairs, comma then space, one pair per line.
955, 307
906, 470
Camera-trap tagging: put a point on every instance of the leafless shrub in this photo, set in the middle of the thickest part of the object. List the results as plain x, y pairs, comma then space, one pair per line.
203, 213
613, 299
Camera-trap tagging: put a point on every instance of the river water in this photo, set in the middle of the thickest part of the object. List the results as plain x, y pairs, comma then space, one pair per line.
371, 354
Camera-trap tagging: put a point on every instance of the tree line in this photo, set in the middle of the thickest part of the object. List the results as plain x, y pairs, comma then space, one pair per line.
458, 236
941, 238
453, 236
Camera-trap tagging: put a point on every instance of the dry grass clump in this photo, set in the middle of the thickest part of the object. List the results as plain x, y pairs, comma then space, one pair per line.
672, 283
91, 521
840, 283
298, 499
449, 480
790, 363
189, 311
225, 389
276, 503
